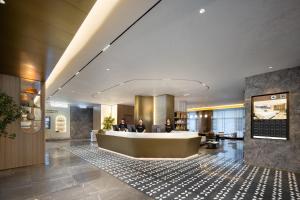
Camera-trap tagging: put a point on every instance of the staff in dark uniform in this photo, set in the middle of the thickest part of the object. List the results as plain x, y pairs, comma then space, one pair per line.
123, 125
168, 126
140, 127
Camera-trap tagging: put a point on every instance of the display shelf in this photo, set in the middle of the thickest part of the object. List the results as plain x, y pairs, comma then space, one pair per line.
180, 121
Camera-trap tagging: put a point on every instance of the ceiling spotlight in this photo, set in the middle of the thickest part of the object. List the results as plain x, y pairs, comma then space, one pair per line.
106, 47
59, 88
187, 94
202, 10
270, 67
2, 2
99, 92
77, 73
107, 69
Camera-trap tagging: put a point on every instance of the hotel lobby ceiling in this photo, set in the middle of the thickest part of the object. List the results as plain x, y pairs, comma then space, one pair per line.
219, 48
35, 33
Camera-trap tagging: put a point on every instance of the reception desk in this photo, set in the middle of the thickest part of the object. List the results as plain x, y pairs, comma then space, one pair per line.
151, 145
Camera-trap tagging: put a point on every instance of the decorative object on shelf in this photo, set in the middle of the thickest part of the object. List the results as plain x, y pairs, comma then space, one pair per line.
108, 122
60, 124
9, 112
31, 90
30, 116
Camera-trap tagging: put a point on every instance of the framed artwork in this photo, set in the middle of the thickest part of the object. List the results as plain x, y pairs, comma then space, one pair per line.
270, 116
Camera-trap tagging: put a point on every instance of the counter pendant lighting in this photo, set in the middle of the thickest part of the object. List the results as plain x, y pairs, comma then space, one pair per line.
205, 116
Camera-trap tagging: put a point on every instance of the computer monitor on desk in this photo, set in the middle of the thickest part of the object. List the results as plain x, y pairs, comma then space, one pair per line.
131, 128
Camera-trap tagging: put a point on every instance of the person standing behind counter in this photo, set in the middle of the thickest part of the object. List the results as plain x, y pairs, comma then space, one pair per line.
168, 126
140, 127
123, 125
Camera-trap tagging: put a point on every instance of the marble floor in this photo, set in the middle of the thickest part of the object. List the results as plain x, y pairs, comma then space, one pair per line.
79, 170
64, 176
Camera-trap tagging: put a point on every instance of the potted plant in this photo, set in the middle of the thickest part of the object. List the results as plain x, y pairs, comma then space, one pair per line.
9, 112
108, 123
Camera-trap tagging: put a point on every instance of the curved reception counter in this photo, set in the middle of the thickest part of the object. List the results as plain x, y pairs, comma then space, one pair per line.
151, 145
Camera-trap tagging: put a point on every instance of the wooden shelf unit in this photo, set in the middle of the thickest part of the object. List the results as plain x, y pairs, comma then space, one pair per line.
180, 121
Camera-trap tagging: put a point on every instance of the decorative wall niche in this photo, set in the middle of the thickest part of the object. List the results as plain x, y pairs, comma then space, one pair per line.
60, 124
30, 101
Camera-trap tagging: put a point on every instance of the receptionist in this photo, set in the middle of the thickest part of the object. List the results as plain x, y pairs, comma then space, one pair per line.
168, 126
140, 127
123, 125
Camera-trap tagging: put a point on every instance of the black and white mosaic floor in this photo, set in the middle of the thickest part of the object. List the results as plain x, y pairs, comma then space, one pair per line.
207, 176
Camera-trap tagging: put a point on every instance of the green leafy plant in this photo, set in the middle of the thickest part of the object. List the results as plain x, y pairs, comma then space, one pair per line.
108, 122
9, 112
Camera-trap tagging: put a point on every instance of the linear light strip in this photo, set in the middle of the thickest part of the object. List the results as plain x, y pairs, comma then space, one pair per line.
240, 105
148, 79
274, 138
109, 45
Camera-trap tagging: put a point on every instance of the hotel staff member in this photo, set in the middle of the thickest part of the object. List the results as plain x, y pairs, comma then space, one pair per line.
140, 127
168, 126
123, 125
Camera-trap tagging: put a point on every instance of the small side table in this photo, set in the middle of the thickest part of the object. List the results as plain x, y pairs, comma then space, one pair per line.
212, 144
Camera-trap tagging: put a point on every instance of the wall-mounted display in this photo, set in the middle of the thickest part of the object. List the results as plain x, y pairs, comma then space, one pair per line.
30, 100
269, 116
47, 122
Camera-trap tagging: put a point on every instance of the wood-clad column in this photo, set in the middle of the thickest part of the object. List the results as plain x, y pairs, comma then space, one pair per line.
27, 148
143, 109
205, 118
163, 109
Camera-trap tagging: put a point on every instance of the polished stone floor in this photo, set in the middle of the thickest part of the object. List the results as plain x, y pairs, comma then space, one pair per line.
64, 177
91, 173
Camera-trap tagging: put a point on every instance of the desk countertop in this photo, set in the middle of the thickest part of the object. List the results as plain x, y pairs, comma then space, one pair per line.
174, 135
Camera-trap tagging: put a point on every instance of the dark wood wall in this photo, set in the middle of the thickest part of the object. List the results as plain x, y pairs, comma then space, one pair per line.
126, 112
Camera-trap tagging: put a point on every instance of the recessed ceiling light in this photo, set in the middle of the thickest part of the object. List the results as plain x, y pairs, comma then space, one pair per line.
187, 94
166, 79
106, 47
202, 10
107, 69
2, 1
73, 91
59, 88
122, 84
270, 67
77, 73
99, 92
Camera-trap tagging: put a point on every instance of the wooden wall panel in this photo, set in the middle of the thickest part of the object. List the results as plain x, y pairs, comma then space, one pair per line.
126, 112
25, 149
143, 109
